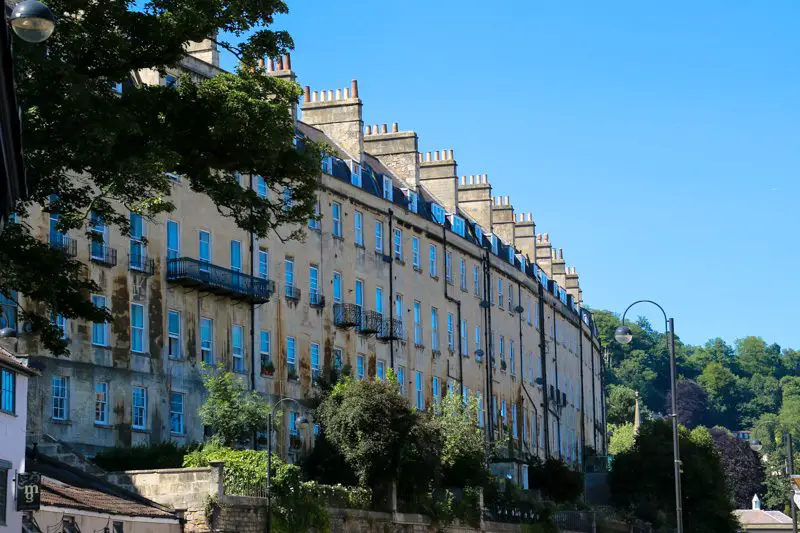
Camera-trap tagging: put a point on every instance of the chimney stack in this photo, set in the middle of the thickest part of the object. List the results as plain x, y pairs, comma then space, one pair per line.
559, 267
525, 235
572, 285
475, 199
397, 150
439, 174
337, 113
503, 219
544, 255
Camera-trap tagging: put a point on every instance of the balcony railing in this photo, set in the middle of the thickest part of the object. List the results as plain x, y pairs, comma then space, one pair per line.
64, 243
371, 323
218, 280
141, 263
316, 299
102, 254
346, 315
292, 293
392, 330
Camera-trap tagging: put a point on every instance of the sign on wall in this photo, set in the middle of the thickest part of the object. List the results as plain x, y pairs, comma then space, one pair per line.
28, 496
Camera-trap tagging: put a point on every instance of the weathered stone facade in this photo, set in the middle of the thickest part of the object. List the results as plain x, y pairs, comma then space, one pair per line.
464, 296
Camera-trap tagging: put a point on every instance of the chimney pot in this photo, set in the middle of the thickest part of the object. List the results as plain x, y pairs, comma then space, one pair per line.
395, 127
270, 65
330, 95
546, 236
314, 96
471, 179
369, 129
530, 217
287, 61
561, 253
261, 63
338, 94
506, 200
354, 88
436, 155
427, 156
384, 129
279, 63
347, 93
450, 154
486, 178
306, 94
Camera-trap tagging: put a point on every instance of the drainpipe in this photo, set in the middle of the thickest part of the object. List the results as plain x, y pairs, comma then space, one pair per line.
594, 399
543, 359
253, 322
555, 364
487, 314
521, 346
603, 400
458, 317
583, 416
391, 289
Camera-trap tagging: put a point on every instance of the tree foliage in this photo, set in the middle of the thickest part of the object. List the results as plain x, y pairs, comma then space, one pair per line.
744, 471
232, 412
642, 482
622, 438
692, 403
91, 151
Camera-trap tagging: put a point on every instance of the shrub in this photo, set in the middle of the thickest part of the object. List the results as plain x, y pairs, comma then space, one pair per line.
556, 481
163, 455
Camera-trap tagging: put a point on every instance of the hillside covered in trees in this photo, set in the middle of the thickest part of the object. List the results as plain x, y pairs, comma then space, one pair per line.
752, 385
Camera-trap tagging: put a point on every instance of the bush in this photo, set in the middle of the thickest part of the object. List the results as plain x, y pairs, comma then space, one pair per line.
164, 455
297, 506
556, 481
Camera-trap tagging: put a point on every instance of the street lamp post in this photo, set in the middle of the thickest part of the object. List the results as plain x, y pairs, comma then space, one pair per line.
623, 335
300, 420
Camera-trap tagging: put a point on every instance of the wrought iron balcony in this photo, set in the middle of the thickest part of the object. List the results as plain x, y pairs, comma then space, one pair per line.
392, 330
371, 323
102, 254
292, 293
218, 280
141, 263
346, 315
64, 243
316, 299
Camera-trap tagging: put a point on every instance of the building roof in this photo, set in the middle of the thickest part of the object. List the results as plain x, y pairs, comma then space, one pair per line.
68, 487
8, 360
54, 493
752, 517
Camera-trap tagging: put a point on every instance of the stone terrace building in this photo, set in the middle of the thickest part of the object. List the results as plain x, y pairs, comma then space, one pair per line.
409, 267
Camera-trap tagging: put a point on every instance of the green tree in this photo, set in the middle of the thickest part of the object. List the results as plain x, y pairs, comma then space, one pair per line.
725, 392
713, 351
465, 455
379, 435
620, 404
623, 437
233, 412
92, 152
642, 482
754, 356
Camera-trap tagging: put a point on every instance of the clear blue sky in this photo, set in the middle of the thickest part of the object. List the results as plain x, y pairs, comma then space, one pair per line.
657, 142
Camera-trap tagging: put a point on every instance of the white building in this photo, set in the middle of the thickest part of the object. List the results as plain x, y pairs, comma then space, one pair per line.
13, 420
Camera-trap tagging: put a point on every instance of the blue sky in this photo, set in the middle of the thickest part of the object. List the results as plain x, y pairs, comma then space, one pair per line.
657, 142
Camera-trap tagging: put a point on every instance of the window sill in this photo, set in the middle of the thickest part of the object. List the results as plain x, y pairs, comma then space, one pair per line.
464, 289
140, 354
140, 430
434, 278
61, 422
450, 282
103, 425
175, 358
338, 237
180, 435
359, 245
400, 261
9, 413
418, 269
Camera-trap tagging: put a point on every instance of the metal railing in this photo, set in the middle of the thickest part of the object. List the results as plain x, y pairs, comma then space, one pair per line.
316, 299
101, 254
292, 292
64, 243
392, 330
371, 322
213, 278
141, 263
346, 315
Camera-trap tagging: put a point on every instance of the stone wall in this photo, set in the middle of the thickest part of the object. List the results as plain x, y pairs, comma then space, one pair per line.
200, 494
190, 490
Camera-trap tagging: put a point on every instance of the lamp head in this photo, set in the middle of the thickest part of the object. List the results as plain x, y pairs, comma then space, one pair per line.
302, 420
32, 21
7, 333
623, 335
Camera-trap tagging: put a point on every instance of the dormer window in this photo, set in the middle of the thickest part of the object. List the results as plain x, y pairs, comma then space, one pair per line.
412, 201
511, 255
388, 189
495, 244
355, 174
457, 224
478, 234
437, 212
327, 165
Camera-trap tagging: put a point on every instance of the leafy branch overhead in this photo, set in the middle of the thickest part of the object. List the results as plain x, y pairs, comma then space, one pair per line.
90, 151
